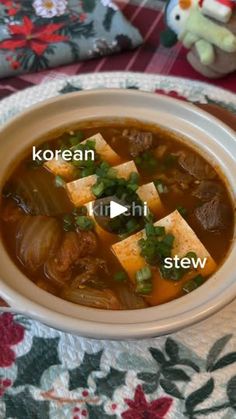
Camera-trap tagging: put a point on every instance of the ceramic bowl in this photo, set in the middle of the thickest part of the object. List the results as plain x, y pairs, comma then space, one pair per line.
211, 137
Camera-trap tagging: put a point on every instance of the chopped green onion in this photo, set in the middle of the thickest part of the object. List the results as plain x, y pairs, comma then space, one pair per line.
98, 189
74, 141
168, 240
191, 255
84, 223
102, 169
132, 186
149, 217
144, 280
143, 274
182, 211
134, 178
132, 225
174, 274
193, 284
68, 224
120, 276
146, 161
160, 231
87, 171
111, 173
160, 186
59, 182
90, 144
150, 229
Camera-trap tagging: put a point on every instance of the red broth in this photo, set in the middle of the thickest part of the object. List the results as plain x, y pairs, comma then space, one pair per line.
56, 244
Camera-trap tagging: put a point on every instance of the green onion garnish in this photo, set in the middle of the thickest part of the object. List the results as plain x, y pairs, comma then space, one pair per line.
98, 189
160, 186
132, 225
144, 281
182, 211
120, 276
59, 182
134, 178
84, 223
68, 223
160, 231
193, 284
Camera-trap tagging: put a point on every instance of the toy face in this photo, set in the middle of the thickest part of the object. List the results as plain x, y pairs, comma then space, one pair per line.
177, 13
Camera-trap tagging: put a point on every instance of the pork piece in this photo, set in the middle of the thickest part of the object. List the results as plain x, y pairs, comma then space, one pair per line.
207, 190
91, 268
75, 245
139, 141
104, 299
195, 165
213, 215
11, 213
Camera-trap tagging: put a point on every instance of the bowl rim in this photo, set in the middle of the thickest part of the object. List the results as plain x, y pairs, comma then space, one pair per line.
90, 328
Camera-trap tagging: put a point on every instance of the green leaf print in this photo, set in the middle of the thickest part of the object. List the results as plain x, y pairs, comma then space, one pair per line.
79, 376
107, 385
43, 354
23, 406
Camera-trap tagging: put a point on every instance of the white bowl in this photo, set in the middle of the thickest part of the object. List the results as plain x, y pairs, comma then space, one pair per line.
216, 142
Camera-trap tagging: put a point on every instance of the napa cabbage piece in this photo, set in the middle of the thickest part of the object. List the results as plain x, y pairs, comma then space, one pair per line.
35, 192
128, 253
37, 238
67, 171
91, 297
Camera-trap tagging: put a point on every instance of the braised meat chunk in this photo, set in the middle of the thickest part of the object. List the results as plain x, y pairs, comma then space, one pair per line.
196, 166
139, 141
208, 189
213, 216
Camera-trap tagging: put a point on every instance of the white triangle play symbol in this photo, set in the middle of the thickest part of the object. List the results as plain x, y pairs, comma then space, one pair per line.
116, 209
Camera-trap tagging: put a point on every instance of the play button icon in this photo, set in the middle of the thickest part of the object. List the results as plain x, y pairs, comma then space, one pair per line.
106, 212
116, 209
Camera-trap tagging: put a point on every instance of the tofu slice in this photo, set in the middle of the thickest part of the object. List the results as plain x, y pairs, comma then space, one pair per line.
60, 167
67, 171
128, 253
104, 150
148, 193
80, 192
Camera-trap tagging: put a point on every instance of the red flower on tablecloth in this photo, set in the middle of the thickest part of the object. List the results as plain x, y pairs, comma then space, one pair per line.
28, 35
140, 408
12, 7
6, 3
11, 333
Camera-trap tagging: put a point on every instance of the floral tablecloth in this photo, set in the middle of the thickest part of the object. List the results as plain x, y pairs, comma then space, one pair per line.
151, 57
48, 374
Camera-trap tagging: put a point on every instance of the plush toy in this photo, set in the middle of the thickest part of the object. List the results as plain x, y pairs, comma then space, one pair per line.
198, 24
218, 9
